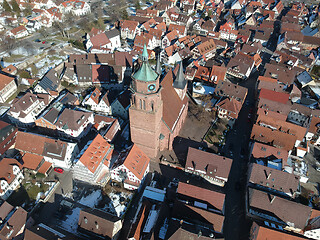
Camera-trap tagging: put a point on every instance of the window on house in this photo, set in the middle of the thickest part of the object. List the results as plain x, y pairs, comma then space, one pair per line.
85, 220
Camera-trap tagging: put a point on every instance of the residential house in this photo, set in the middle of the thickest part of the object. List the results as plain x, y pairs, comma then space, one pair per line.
181, 30
93, 163
229, 109
98, 102
11, 176
201, 197
12, 70
57, 152
283, 126
290, 215
99, 43
214, 168
74, 123
269, 156
120, 106
129, 29
7, 136
273, 181
24, 110
300, 115
198, 216
274, 231
230, 90
49, 83
36, 163
108, 127
99, 224
262, 36
19, 32
7, 87
313, 131
206, 50
218, 73
75, 7
43, 232
168, 39
13, 221
240, 67
131, 167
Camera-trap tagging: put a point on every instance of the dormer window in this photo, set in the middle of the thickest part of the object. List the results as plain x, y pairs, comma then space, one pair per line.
85, 220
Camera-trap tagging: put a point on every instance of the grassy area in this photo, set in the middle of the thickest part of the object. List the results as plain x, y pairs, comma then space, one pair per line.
316, 71
13, 58
216, 133
33, 190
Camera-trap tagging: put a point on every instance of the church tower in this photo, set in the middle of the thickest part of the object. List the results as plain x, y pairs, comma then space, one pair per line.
146, 108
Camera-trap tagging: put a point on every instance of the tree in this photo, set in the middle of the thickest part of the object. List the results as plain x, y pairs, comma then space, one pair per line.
100, 24
27, 11
124, 14
137, 5
6, 6
15, 7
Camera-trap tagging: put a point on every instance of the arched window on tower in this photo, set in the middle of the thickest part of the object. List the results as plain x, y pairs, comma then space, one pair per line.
140, 104
152, 106
144, 105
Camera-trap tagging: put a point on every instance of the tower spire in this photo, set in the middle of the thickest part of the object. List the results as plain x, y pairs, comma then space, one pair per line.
180, 81
144, 56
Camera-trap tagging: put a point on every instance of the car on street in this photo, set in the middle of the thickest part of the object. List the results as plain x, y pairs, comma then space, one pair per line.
37, 40
43, 42
58, 170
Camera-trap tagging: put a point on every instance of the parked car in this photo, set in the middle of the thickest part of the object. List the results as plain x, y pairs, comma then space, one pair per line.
37, 40
43, 42
58, 170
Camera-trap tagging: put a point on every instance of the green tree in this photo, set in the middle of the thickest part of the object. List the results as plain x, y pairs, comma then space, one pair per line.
6, 6
27, 11
100, 24
15, 6
137, 5
124, 14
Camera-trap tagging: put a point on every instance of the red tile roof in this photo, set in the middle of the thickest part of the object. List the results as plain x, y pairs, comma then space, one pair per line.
45, 167
5, 80
261, 150
31, 161
274, 96
213, 198
6, 169
218, 73
137, 162
96, 152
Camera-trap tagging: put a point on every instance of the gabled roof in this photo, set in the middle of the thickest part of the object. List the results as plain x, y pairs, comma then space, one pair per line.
6, 169
261, 150
231, 105
136, 161
50, 81
5, 80
99, 40
172, 104
280, 97
287, 211
98, 151
214, 165
14, 224
98, 222
72, 119
212, 198
274, 179
31, 161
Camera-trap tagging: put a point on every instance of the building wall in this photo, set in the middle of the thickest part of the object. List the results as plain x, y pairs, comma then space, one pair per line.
7, 91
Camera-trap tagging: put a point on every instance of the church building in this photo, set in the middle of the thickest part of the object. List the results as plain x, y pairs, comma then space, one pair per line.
158, 106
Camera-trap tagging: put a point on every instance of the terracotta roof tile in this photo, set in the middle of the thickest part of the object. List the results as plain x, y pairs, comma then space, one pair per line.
212, 164
99, 150
5, 80
6, 169
214, 199
274, 96
45, 167
136, 161
287, 211
31, 161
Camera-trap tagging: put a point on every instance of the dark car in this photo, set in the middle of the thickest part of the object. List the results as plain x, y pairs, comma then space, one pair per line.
58, 170
37, 40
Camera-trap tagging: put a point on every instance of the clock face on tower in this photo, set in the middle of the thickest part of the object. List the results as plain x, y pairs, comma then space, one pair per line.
151, 87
